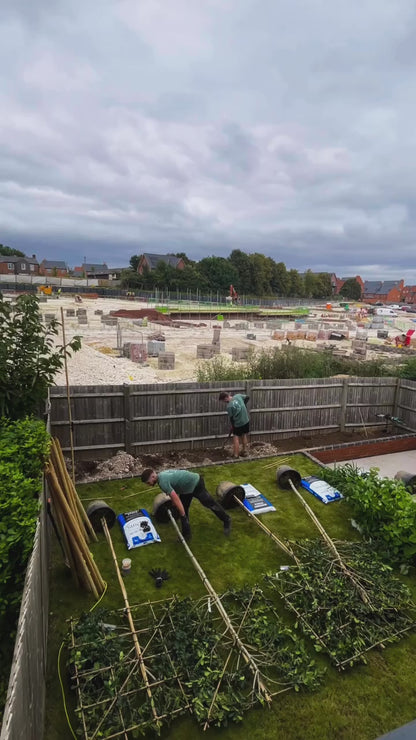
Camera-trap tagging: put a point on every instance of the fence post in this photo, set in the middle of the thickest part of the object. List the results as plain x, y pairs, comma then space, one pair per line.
396, 397
127, 413
343, 410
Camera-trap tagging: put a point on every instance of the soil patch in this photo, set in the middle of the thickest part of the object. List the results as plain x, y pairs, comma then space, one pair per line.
123, 465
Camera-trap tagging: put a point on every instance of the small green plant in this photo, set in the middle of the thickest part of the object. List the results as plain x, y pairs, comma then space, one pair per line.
29, 356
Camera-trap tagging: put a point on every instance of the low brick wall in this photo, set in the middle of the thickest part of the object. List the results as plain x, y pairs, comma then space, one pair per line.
366, 448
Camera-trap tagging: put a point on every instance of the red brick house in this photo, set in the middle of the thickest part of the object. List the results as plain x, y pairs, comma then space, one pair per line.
14, 265
409, 294
53, 268
379, 291
150, 262
90, 269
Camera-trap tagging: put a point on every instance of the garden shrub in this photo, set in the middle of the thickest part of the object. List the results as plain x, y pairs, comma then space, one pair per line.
24, 447
382, 508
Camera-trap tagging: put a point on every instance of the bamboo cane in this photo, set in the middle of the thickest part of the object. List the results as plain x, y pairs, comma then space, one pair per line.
137, 648
77, 499
217, 601
271, 534
71, 432
217, 688
65, 543
59, 468
361, 591
73, 529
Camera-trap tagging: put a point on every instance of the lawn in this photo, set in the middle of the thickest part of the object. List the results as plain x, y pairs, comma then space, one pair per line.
358, 704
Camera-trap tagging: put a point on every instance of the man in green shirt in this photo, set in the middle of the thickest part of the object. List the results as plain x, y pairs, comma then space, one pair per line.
182, 486
240, 420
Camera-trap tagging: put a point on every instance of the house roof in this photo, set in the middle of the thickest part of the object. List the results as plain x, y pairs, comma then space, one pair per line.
86, 266
15, 258
59, 264
154, 259
380, 287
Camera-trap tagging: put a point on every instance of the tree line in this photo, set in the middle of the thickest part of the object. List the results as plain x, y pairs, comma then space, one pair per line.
250, 274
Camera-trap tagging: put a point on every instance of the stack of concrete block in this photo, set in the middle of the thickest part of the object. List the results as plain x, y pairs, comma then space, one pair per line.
98, 312
359, 348
126, 349
217, 336
70, 311
138, 352
239, 354
300, 334
241, 325
206, 351
382, 334
251, 336
311, 336
83, 320
166, 361
49, 317
361, 334
227, 325
259, 324
279, 334
312, 326
275, 324
109, 320
81, 312
377, 322
154, 348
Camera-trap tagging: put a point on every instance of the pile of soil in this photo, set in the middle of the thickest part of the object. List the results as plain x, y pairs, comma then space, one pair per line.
154, 316
123, 465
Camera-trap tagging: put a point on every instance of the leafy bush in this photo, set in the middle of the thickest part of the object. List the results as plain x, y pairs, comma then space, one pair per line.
287, 362
29, 358
24, 447
382, 507
408, 370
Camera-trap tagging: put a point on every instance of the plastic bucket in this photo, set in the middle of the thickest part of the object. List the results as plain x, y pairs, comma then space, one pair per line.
284, 474
98, 510
125, 566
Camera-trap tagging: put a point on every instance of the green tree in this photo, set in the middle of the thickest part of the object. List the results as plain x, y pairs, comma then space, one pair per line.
280, 279
261, 274
10, 252
295, 284
219, 273
241, 263
29, 356
134, 261
351, 289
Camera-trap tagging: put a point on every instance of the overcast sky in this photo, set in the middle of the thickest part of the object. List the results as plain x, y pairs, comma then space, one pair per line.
286, 127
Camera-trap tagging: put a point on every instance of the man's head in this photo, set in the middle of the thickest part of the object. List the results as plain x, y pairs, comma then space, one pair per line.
224, 396
149, 476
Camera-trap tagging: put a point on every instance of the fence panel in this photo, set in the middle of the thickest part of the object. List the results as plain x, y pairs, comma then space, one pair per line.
152, 417
25, 704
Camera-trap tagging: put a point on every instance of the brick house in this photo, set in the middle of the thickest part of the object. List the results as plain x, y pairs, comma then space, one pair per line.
90, 270
53, 268
14, 265
409, 294
150, 262
379, 291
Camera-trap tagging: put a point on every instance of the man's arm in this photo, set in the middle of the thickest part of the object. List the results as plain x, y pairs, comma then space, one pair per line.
177, 503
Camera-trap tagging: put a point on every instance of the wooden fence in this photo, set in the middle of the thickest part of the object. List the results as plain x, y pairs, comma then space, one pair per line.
152, 418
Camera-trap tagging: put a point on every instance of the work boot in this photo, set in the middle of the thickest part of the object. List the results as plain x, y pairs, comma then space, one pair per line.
227, 527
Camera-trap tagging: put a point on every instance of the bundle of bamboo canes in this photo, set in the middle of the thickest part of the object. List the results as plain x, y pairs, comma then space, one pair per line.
75, 529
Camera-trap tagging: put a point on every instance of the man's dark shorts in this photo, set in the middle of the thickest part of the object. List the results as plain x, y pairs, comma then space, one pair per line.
240, 431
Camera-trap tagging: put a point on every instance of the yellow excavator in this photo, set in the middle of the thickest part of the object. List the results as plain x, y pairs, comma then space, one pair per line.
45, 289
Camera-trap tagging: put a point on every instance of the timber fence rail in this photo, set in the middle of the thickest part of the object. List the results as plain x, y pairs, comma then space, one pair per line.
156, 417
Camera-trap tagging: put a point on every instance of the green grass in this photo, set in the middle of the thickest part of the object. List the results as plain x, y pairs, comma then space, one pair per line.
357, 705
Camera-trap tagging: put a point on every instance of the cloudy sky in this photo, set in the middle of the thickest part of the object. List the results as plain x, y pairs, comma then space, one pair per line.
286, 127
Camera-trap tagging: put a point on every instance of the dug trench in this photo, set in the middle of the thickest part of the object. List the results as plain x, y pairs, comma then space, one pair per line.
123, 465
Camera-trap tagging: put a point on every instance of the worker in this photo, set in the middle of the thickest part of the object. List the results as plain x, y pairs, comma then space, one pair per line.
400, 341
182, 486
239, 418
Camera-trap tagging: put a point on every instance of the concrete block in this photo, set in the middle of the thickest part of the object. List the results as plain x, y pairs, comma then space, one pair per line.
206, 351
240, 354
70, 311
138, 352
166, 361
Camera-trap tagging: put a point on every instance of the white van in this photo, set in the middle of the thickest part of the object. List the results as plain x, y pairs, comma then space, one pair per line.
384, 312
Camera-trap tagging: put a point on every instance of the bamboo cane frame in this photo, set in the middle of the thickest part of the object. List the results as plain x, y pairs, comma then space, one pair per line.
217, 602
71, 488
286, 549
131, 623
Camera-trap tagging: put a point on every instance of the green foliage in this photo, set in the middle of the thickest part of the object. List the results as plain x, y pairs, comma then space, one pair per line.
408, 369
329, 608
287, 362
10, 252
351, 289
382, 508
24, 448
29, 357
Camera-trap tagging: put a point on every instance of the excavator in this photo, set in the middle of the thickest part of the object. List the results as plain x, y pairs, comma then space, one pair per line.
45, 289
